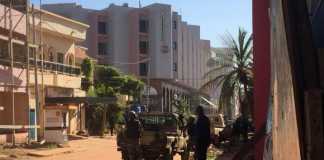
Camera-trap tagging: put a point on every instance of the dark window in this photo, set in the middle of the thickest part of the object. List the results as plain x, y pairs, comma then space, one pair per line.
51, 57
19, 52
60, 58
32, 52
175, 25
4, 49
143, 69
102, 49
175, 67
102, 28
143, 26
175, 45
143, 45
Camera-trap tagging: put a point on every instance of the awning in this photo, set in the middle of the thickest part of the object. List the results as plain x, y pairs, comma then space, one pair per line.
79, 100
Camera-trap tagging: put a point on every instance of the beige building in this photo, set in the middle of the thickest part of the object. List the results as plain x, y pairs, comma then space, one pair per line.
58, 73
123, 34
150, 42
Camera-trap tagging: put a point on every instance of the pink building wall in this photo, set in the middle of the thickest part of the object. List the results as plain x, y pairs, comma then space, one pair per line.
19, 79
18, 20
19, 26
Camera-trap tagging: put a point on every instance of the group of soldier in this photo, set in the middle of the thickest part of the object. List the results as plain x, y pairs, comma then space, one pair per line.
197, 129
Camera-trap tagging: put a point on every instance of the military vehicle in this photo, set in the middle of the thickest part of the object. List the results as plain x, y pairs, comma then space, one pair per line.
161, 137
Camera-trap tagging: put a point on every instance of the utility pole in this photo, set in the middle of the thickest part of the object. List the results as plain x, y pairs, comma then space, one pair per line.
42, 63
10, 49
35, 71
148, 88
28, 66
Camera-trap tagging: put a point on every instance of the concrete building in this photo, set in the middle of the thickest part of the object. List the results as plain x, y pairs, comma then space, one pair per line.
59, 76
13, 77
152, 41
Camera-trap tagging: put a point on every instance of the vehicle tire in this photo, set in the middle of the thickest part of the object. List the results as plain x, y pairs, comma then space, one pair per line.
124, 155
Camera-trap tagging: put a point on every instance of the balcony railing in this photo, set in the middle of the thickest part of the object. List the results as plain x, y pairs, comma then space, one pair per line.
57, 67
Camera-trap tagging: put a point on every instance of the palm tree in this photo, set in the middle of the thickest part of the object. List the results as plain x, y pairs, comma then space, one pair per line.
237, 80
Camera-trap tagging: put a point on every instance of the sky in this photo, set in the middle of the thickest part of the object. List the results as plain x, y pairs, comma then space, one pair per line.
215, 17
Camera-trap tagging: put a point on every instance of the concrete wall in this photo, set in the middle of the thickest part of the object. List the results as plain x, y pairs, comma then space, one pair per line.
19, 79
21, 108
18, 20
160, 38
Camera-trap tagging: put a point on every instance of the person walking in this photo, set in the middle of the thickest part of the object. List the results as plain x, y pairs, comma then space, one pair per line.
202, 134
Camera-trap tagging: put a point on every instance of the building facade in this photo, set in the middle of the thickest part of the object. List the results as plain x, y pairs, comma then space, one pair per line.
151, 42
13, 91
150, 39
58, 73
54, 71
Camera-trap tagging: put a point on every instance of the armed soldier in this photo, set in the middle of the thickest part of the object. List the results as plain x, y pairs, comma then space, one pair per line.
133, 132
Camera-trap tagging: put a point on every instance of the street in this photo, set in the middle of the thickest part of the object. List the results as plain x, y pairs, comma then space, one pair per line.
90, 149
87, 149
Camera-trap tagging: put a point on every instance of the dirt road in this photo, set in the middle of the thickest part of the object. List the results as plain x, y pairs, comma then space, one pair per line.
89, 149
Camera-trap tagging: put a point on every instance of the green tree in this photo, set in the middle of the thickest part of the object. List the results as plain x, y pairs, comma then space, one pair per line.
238, 81
87, 69
132, 87
110, 82
182, 108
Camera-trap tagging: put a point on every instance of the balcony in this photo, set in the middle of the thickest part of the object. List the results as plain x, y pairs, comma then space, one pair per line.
57, 67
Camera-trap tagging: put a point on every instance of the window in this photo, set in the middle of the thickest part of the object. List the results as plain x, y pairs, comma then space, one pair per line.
175, 67
71, 59
175, 46
102, 28
4, 49
175, 25
143, 69
60, 58
51, 56
143, 45
143, 26
162, 28
102, 48
32, 52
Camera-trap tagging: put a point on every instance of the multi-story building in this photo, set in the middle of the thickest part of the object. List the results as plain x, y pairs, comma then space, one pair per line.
58, 73
151, 41
13, 81
54, 71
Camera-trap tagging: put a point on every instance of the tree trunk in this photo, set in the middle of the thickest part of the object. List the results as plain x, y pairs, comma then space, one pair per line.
104, 120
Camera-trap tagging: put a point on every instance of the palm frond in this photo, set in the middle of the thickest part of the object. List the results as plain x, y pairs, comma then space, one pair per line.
214, 81
214, 70
227, 92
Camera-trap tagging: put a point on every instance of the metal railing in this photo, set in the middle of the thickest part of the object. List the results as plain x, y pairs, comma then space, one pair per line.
57, 67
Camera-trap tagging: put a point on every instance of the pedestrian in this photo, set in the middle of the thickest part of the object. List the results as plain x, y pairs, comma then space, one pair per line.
202, 134
133, 131
190, 127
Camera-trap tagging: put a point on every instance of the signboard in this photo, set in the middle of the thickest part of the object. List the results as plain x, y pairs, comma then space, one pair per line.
56, 123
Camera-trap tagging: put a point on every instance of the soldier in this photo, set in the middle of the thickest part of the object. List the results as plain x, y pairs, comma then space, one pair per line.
202, 134
133, 130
